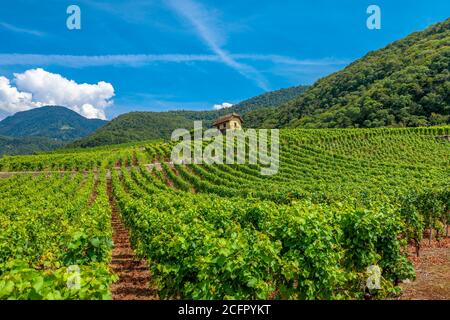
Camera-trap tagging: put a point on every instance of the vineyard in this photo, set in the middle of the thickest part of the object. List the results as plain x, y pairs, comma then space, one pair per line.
342, 201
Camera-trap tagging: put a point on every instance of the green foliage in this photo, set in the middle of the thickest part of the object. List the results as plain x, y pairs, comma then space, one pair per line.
343, 200
404, 84
27, 145
256, 249
48, 226
20, 282
52, 122
311, 252
86, 248
43, 129
138, 126
372, 238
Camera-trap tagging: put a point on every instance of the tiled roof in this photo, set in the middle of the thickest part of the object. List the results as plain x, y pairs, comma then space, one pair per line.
227, 118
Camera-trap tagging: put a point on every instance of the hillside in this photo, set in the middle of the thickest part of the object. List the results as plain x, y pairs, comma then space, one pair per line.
138, 126
43, 129
51, 122
271, 99
27, 145
135, 126
340, 202
406, 83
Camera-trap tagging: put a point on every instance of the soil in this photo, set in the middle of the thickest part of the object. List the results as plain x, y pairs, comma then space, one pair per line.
168, 181
156, 165
432, 273
134, 275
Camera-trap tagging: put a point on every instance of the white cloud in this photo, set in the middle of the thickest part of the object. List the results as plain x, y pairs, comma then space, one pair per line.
37, 87
131, 60
12, 100
137, 60
224, 105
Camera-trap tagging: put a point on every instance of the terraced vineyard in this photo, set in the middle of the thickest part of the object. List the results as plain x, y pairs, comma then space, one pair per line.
48, 223
343, 200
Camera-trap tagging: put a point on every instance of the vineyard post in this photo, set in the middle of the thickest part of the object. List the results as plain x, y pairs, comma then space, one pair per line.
446, 227
431, 227
417, 247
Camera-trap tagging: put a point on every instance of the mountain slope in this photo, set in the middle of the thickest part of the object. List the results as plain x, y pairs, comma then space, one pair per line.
51, 122
43, 129
271, 99
406, 83
27, 145
137, 126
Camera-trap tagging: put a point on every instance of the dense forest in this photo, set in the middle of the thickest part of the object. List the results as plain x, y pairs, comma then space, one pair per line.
406, 83
27, 145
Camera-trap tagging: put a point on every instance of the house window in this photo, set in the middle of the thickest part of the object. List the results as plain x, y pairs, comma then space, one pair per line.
235, 125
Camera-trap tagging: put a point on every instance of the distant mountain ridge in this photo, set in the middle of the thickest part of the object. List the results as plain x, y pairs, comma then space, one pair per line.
138, 126
53, 122
43, 129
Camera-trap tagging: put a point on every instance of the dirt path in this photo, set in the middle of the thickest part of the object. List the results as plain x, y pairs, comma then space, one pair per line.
134, 275
5, 175
433, 273
156, 165
8, 174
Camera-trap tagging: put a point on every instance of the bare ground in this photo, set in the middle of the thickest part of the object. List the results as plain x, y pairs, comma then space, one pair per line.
5, 175
134, 275
432, 271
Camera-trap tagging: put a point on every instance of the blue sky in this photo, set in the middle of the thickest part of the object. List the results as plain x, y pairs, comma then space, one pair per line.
189, 54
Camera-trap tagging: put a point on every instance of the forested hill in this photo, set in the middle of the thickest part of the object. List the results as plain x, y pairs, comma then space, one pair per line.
137, 126
43, 129
268, 100
27, 145
53, 122
406, 83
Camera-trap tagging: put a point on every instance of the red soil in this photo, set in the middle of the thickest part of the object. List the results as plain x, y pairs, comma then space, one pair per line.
432, 271
134, 275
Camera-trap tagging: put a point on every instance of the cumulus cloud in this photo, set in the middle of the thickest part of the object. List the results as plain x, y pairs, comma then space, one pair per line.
37, 87
224, 105
11, 99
